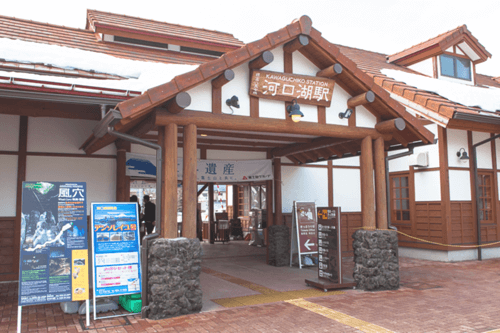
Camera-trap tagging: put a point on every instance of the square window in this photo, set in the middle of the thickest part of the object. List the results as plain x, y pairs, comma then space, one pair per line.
463, 68
447, 67
455, 67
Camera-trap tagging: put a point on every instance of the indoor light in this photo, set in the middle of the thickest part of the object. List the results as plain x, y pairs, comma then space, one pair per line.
294, 111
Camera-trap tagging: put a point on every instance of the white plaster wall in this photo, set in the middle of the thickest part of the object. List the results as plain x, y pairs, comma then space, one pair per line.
303, 184
339, 104
98, 173
484, 160
432, 150
364, 118
424, 67
277, 65
310, 113
269, 108
427, 186
58, 135
8, 189
457, 139
235, 155
347, 189
138, 149
302, 65
9, 132
285, 160
201, 98
240, 87
399, 164
348, 161
459, 185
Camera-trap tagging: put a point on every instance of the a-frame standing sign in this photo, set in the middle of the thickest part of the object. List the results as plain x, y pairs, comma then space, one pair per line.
304, 230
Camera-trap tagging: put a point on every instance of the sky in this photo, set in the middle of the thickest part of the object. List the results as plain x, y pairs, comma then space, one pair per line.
385, 26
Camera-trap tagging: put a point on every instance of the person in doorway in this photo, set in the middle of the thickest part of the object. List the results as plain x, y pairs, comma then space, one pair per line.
149, 214
142, 228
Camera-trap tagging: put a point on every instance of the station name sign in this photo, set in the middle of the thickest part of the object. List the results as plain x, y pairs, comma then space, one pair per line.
286, 87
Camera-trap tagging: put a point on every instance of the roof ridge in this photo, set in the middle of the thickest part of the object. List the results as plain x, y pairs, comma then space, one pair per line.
163, 22
427, 40
46, 24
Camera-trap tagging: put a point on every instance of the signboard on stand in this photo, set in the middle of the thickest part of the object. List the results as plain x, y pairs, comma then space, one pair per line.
53, 265
116, 250
304, 230
329, 251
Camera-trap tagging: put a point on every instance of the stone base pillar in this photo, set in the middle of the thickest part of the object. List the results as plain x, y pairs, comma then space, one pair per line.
174, 277
279, 245
376, 264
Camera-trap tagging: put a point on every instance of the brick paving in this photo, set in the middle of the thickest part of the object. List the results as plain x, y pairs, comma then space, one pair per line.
434, 297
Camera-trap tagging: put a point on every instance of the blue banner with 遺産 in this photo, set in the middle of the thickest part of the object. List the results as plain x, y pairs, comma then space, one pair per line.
116, 249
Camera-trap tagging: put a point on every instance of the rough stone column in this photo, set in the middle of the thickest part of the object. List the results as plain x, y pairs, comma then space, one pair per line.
174, 267
279, 245
376, 264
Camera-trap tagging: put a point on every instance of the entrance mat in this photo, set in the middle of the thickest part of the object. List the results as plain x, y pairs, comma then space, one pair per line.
276, 296
244, 283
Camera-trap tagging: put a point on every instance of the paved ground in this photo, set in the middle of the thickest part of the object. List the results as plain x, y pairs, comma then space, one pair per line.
434, 297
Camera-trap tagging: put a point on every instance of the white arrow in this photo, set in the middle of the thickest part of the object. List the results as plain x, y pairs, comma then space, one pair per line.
307, 244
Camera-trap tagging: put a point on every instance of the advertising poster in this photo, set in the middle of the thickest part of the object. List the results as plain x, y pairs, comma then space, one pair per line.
54, 250
329, 244
307, 227
115, 240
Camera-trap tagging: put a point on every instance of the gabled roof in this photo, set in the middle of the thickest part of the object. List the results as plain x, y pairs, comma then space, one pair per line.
37, 32
102, 22
438, 45
319, 51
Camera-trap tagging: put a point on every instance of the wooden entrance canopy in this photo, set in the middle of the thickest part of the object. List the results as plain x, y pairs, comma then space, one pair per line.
162, 114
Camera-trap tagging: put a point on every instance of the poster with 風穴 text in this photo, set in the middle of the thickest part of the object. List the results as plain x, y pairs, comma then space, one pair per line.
53, 265
116, 250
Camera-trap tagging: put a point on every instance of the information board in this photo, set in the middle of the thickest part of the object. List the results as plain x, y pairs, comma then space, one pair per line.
329, 251
304, 230
53, 265
116, 249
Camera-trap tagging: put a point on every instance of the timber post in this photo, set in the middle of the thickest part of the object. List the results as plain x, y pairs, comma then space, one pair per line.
122, 180
278, 216
169, 187
189, 187
367, 190
380, 184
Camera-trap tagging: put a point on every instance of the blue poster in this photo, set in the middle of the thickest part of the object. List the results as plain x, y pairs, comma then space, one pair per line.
53, 265
116, 249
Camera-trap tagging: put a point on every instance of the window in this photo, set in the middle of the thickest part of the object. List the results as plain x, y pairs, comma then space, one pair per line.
485, 198
140, 42
455, 67
400, 199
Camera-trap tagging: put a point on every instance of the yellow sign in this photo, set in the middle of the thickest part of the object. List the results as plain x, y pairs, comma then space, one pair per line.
80, 275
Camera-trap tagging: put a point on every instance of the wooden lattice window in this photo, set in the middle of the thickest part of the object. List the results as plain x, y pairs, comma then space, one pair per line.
400, 199
485, 198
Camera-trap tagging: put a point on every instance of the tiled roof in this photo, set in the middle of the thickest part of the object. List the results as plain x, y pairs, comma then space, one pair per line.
98, 20
437, 45
372, 63
86, 40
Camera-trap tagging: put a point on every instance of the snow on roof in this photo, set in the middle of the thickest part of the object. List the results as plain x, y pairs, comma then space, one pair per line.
486, 98
141, 75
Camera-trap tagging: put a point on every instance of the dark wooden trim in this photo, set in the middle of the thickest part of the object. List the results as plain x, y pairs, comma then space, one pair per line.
287, 68
330, 183
143, 127
122, 180
7, 218
444, 184
434, 67
264, 137
457, 55
254, 107
203, 153
277, 192
219, 147
495, 185
70, 155
178, 103
200, 191
413, 203
351, 122
321, 114
426, 169
21, 177
8, 152
216, 100
304, 165
472, 186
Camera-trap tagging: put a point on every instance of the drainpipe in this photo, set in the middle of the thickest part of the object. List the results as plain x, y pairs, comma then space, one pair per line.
476, 186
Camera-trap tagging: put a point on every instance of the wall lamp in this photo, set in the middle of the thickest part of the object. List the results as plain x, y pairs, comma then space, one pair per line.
346, 114
232, 103
462, 154
294, 111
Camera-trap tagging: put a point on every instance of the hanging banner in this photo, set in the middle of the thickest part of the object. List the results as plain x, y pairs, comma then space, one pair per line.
54, 249
116, 249
140, 165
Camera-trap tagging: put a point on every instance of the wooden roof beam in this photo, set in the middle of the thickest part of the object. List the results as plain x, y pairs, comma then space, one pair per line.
324, 153
330, 71
311, 155
390, 126
143, 127
293, 159
263, 60
180, 101
296, 44
222, 79
316, 144
302, 158
365, 98
280, 138
335, 151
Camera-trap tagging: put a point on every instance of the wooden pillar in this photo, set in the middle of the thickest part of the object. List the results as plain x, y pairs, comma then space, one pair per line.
330, 183
189, 191
211, 212
168, 134
278, 218
122, 180
367, 190
380, 185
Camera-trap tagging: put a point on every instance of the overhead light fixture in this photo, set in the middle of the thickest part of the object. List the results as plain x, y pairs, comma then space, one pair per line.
294, 111
462, 155
233, 103
345, 114
203, 134
109, 121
